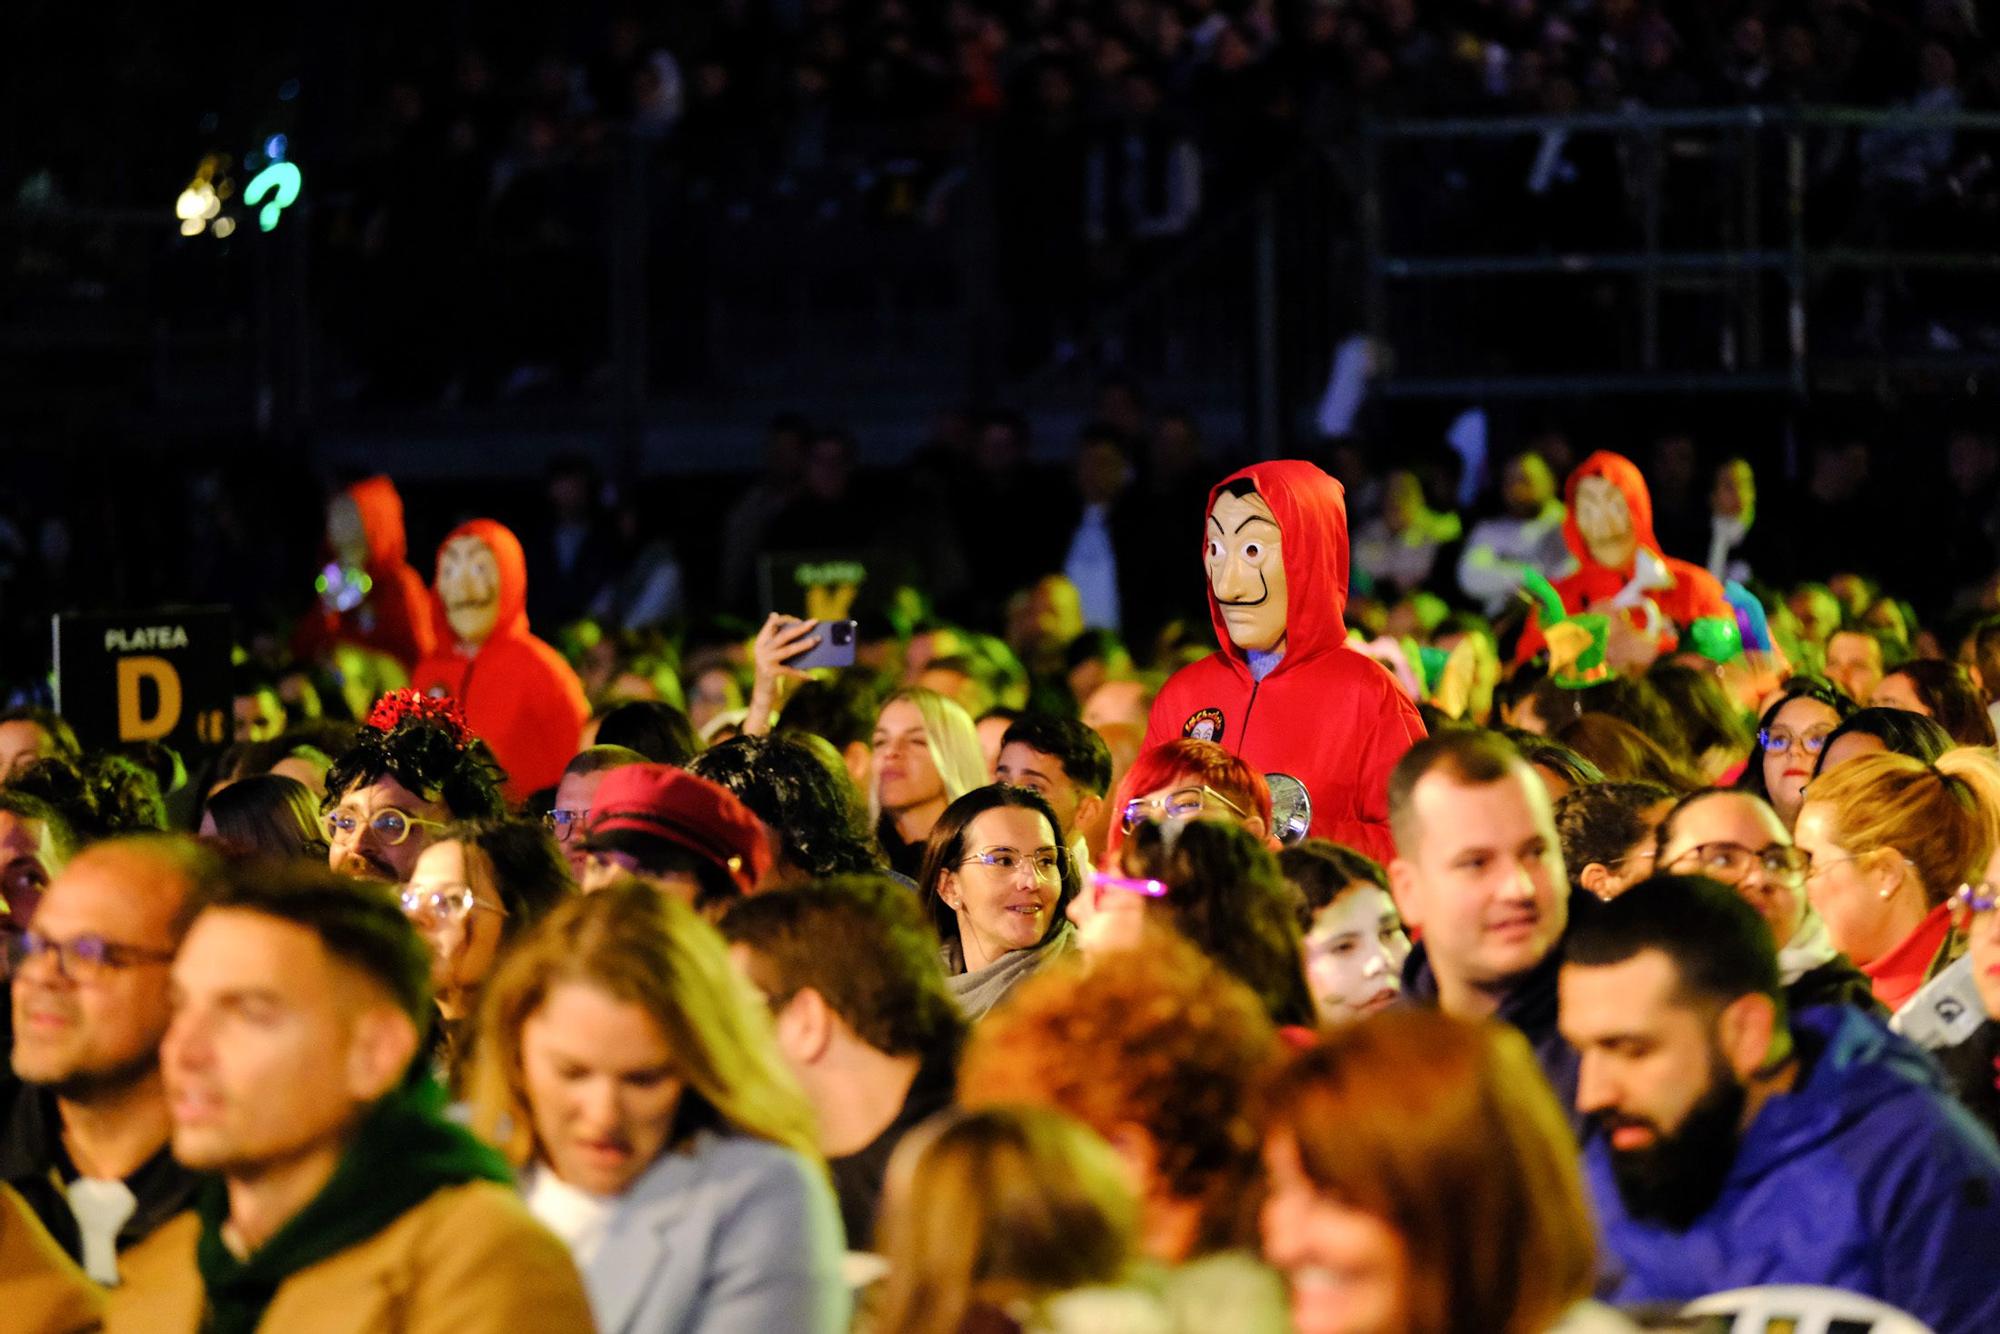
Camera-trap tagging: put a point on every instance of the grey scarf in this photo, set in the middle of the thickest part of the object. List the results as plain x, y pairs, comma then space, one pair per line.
976, 993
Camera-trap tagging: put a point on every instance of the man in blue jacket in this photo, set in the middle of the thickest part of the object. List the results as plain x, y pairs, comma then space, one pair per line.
1734, 1146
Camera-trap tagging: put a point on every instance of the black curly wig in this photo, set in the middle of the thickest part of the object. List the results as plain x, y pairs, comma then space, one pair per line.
431, 756
806, 799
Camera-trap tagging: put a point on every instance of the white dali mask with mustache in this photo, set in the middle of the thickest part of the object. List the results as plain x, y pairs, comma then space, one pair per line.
469, 584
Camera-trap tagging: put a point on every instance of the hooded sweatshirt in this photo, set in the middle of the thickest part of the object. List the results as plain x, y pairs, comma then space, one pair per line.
518, 693
1323, 714
1866, 1176
1695, 592
395, 617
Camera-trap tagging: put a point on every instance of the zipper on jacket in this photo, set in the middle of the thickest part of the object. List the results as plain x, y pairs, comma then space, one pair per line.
1243, 733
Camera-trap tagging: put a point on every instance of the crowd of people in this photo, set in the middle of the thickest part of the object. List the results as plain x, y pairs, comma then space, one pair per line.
1622, 938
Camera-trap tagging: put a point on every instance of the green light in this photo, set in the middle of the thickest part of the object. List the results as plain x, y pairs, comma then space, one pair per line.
281, 181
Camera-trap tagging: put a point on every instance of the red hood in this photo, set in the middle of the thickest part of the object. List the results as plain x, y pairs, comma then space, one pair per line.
1311, 510
512, 622
381, 510
1624, 474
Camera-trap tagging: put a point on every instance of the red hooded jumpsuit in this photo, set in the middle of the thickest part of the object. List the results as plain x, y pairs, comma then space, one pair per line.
1325, 715
395, 618
1695, 593
518, 693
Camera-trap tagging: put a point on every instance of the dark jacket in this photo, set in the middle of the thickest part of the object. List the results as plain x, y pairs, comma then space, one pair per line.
1835, 982
1973, 1067
1866, 1176
1529, 1006
857, 1177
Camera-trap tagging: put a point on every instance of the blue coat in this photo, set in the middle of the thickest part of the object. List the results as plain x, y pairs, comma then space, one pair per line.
1865, 1176
732, 1236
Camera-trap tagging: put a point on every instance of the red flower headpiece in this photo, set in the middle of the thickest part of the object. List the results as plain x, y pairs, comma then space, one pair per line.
440, 711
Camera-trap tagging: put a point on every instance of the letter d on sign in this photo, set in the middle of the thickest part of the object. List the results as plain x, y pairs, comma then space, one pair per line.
133, 723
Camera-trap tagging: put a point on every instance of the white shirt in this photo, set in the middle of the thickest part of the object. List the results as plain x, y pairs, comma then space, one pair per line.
101, 1208
578, 1217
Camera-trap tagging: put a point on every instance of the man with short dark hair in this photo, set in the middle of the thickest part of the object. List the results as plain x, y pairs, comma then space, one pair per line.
35, 844
300, 1002
1479, 872
1854, 662
1737, 1145
681, 834
83, 1113
575, 792
258, 712
414, 768
1067, 763
863, 1017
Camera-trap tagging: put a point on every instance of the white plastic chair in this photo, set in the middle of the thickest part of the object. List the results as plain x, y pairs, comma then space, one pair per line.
1804, 1310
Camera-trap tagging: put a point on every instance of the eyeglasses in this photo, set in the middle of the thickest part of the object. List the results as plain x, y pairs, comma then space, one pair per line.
1048, 862
1972, 905
391, 825
1778, 743
563, 823
1730, 862
453, 903
1184, 803
1103, 880
84, 959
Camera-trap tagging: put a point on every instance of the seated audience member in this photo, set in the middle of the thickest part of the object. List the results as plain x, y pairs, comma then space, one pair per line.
1009, 1219
1119, 703
991, 728
569, 817
1188, 780
1738, 840
1607, 833
300, 1002
1069, 765
1527, 535
842, 713
1854, 663
267, 815
30, 734
1873, 731
257, 712
683, 835
1717, 733
808, 806
1479, 876
924, 755
1161, 1053
36, 842
1791, 735
413, 769
1355, 945
1891, 840
632, 1079
1222, 891
1735, 1143
101, 795
1940, 690
996, 882
850, 970
1624, 754
83, 1115
1093, 658
472, 896
1431, 1194
1974, 1063
1561, 769
45, 1289
654, 728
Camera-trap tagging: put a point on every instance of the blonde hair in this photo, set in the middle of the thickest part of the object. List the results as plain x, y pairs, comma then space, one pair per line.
650, 949
954, 743
997, 1205
1943, 818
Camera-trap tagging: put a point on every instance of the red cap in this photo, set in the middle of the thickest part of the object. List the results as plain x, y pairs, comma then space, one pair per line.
639, 804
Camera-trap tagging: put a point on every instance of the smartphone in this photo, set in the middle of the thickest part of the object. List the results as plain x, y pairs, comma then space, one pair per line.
835, 647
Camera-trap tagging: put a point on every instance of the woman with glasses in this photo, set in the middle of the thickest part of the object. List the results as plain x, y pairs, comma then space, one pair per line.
634, 1082
1891, 840
996, 880
1974, 1064
472, 894
1188, 780
1790, 736
925, 755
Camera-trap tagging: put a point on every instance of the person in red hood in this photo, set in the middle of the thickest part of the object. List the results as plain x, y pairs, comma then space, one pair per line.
518, 693
1285, 692
1609, 525
391, 611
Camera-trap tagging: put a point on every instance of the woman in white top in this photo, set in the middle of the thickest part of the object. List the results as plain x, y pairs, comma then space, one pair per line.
634, 1081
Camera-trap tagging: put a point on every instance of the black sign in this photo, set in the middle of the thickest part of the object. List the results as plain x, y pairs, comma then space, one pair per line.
819, 585
160, 675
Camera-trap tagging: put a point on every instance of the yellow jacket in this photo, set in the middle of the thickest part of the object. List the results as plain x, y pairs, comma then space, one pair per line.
41, 1289
468, 1259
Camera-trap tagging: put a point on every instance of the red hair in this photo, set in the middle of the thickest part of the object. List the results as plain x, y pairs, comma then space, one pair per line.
1187, 763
